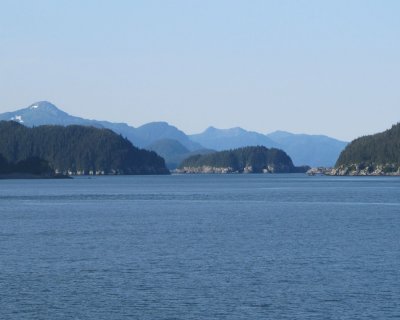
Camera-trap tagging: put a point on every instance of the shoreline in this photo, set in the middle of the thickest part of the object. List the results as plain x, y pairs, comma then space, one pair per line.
30, 176
353, 171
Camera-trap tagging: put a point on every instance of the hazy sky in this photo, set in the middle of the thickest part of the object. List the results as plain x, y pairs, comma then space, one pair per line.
326, 67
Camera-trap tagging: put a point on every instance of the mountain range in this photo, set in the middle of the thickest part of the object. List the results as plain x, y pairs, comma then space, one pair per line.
225, 139
174, 145
304, 149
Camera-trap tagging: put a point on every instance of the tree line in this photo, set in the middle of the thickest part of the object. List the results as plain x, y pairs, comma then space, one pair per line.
77, 149
259, 158
378, 149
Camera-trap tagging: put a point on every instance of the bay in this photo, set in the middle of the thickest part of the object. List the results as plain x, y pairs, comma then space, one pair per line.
200, 247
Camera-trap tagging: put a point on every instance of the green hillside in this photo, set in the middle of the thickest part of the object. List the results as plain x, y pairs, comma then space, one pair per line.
77, 149
248, 159
380, 148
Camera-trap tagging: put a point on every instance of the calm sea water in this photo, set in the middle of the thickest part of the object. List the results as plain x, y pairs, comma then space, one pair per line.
200, 247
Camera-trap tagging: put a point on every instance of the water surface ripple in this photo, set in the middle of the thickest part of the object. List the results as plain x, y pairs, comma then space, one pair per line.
200, 247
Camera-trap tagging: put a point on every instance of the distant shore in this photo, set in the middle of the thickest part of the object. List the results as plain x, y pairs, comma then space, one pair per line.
18, 175
356, 170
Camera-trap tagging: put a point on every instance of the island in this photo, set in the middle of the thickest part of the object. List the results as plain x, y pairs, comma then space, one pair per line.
252, 159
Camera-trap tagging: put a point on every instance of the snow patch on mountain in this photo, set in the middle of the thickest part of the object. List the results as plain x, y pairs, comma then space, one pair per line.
18, 118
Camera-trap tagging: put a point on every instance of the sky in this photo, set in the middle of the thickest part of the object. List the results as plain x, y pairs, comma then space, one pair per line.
316, 67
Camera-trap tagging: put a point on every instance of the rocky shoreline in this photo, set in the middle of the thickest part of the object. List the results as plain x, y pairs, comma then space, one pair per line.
357, 170
18, 175
217, 170
230, 170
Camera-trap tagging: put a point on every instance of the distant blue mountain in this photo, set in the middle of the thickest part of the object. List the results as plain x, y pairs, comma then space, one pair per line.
312, 150
225, 139
44, 112
154, 131
174, 152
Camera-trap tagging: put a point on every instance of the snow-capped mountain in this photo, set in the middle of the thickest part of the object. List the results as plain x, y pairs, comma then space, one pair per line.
41, 113
44, 112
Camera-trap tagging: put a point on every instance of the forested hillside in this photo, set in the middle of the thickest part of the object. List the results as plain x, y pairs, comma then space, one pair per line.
248, 159
77, 149
381, 148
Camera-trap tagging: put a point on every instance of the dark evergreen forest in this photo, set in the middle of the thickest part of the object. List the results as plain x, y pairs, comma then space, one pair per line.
77, 149
258, 158
378, 149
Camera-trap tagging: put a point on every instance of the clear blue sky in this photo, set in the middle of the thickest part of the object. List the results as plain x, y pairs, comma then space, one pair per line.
327, 67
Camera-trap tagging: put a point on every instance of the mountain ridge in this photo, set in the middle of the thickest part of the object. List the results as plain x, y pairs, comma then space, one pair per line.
174, 151
231, 138
44, 112
304, 149
313, 150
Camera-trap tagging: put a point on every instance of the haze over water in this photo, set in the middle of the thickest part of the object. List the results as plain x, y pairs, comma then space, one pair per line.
200, 247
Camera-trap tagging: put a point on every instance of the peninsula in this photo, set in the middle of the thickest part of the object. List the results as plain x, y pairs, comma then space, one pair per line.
77, 150
373, 155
